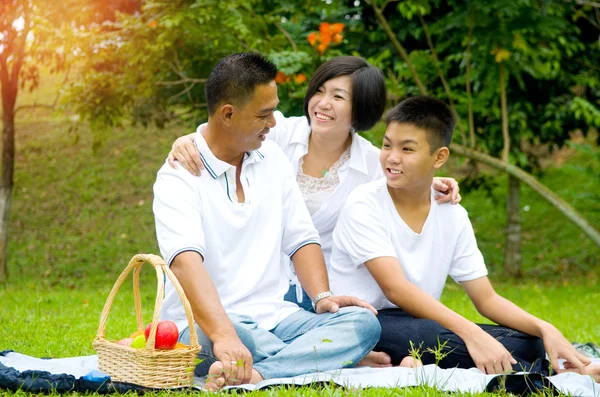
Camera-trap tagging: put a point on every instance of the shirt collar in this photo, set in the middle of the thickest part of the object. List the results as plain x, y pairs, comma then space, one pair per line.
301, 134
215, 166
358, 154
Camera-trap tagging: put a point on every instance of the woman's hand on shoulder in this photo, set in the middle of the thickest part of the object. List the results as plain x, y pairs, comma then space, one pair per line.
186, 154
449, 188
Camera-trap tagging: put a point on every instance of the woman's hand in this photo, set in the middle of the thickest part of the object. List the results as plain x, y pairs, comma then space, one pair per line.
449, 188
186, 153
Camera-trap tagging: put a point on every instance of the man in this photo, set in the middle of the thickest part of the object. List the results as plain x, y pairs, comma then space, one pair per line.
222, 234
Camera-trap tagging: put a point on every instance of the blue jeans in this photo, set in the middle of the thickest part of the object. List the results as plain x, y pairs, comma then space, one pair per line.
399, 328
291, 296
302, 343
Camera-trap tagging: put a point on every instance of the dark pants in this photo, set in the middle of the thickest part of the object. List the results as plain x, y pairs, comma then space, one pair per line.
399, 328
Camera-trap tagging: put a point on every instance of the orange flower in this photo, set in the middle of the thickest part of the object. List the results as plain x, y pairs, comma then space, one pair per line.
336, 28
299, 78
152, 23
312, 38
337, 38
324, 28
281, 78
321, 48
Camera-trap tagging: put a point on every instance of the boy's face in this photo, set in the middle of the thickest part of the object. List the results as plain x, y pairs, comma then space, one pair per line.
406, 158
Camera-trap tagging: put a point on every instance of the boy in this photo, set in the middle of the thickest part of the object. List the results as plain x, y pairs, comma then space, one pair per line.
394, 247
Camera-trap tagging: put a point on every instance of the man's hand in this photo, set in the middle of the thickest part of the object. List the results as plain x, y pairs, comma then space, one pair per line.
333, 304
187, 154
489, 355
558, 347
449, 187
236, 359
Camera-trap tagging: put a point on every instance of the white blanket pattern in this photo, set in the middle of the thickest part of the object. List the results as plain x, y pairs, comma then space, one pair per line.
452, 380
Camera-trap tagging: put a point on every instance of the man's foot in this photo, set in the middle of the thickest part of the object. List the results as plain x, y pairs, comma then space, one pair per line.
376, 360
217, 378
410, 362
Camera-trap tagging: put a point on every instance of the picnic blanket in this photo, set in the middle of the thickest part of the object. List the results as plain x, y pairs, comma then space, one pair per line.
62, 375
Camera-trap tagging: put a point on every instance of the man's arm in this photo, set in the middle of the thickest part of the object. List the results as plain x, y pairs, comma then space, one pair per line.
312, 274
489, 355
502, 311
210, 315
178, 218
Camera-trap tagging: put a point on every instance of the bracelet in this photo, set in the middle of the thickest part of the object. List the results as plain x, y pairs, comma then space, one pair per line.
322, 295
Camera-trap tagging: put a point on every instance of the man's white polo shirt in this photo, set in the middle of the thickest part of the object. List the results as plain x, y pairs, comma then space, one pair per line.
240, 243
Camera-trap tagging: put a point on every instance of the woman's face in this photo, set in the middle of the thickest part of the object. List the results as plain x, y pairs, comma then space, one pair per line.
330, 108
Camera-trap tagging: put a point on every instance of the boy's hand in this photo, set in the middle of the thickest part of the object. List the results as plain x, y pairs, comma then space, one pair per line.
333, 304
558, 347
489, 355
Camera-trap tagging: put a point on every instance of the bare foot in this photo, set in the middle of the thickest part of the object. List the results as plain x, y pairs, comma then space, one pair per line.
376, 360
216, 378
410, 362
592, 370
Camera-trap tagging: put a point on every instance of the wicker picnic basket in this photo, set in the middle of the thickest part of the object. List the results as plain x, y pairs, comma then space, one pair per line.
147, 366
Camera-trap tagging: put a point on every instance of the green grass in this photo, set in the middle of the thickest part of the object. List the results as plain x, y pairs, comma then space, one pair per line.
78, 216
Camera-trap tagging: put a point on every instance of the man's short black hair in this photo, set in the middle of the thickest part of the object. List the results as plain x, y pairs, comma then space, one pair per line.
234, 79
368, 88
429, 114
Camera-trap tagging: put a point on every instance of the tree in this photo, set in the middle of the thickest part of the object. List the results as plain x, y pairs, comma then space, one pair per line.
35, 35
529, 41
491, 62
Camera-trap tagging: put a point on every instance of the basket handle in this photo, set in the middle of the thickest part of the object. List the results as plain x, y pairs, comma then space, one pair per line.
161, 269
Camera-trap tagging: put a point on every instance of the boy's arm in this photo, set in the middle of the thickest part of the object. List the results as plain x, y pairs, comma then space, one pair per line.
504, 312
489, 355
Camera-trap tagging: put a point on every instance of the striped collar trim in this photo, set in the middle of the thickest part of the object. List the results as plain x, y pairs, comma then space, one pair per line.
217, 167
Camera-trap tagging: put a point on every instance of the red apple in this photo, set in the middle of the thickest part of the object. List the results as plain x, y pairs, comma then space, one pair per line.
167, 334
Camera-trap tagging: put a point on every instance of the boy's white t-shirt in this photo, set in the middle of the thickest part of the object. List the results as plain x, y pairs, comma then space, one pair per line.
369, 227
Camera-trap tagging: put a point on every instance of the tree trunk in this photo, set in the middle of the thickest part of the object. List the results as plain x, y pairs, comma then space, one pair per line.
8, 166
512, 250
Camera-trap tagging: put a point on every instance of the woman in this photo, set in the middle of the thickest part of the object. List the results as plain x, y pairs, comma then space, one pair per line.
345, 95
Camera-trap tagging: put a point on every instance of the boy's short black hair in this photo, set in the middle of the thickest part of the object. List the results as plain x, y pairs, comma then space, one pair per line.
234, 79
429, 114
368, 88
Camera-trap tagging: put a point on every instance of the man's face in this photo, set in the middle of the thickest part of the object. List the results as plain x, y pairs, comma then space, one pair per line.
405, 156
251, 123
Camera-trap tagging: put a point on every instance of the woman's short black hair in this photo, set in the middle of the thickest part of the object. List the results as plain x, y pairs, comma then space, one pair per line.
368, 88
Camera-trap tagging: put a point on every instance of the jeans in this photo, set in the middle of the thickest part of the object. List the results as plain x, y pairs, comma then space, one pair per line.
306, 303
399, 328
302, 343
